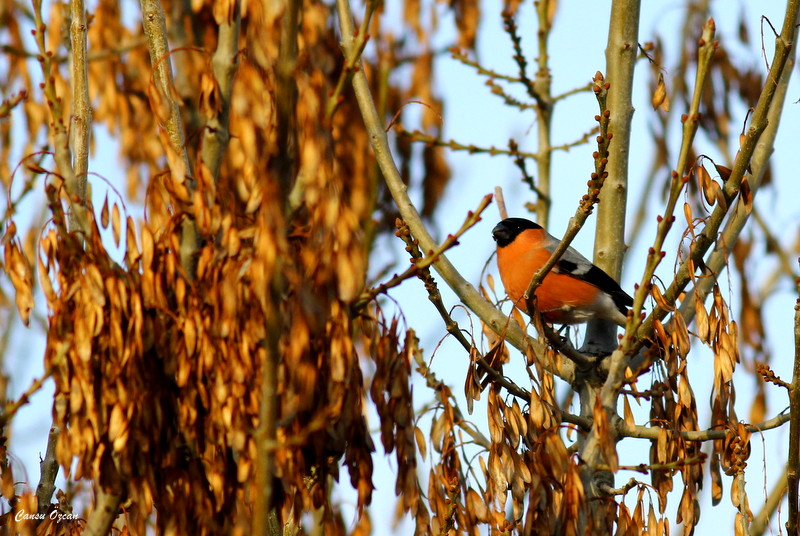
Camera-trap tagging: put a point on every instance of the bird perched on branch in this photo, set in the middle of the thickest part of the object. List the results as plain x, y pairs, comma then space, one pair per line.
574, 291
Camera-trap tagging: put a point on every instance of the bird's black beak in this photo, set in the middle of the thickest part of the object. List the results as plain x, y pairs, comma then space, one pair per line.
501, 235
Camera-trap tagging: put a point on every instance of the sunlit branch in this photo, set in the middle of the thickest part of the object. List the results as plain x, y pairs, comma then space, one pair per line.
106, 506
646, 432
743, 208
453, 145
95, 55
154, 22
459, 56
78, 218
541, 92
81, 126
493, 318
421, 263
645, 468
10, 409
690, 126
358, 41
225, 64
760, 522
794, 428
588, 201
752, 140
48, 467
608, 490
9, 104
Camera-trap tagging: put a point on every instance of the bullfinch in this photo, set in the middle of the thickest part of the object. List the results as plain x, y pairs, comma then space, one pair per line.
574, 291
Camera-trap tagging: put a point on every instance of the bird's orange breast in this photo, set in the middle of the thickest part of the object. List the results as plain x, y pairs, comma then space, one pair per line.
518, 262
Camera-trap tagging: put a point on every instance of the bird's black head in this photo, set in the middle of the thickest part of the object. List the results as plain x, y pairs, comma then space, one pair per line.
507, 230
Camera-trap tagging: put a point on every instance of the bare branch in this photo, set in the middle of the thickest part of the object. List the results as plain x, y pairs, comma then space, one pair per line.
794, 430
646, 432
10, 409
78, 218
453, 145
49, 471
759, 122
760, 522
588, 201
735, 223
493, 318
106, 508
154, 22
81, 127
225, 62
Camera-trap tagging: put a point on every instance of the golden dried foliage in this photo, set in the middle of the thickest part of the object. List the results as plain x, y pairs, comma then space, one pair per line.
160, 363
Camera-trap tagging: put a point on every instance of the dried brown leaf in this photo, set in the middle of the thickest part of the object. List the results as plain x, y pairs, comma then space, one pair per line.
116, 224
703, 327
746, 194
104, 213
660, 98
660, 300
19, 271
422, 445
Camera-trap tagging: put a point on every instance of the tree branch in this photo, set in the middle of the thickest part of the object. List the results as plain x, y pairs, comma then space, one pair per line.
760, 522
81, 127
794, 429
106, 508
492, 317
48, 468
734, 225
783, 52
587, 202
225, 63
78, 218
646, 432
154, 22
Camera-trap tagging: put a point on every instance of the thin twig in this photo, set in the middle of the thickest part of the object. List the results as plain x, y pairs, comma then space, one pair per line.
9, 104
459, 56
589, 200
451, 325
501, 202
453, 145
608, 490
762, 115
10, 409
423, 263
742, 210
760, 522
646, 432
645, 468
794, 428
96, 55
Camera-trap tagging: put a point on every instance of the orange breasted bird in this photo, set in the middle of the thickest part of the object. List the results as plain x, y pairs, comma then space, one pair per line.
574, 291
